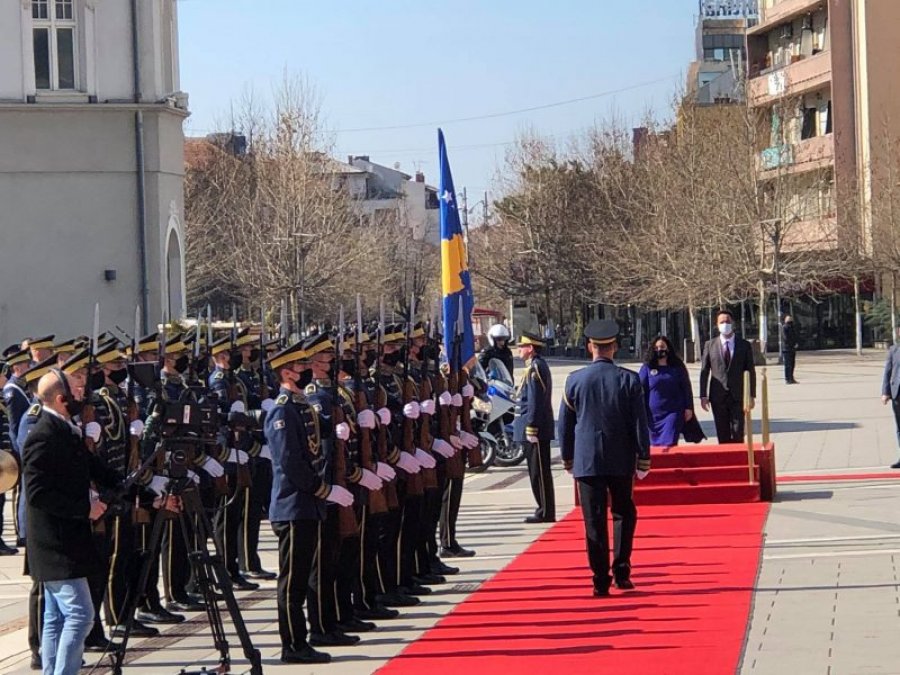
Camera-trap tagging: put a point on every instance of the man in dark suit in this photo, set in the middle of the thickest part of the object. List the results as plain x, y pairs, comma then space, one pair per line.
534, 426
725, 360
58, 470
789, 348
605, 442
890, 389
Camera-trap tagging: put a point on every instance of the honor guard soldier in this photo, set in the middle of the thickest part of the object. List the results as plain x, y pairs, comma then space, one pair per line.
16, 402
41, 348
605, 442
299, 497
6, 446
534, 425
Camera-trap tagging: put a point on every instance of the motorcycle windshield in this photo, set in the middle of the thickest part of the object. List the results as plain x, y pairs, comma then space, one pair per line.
497, 371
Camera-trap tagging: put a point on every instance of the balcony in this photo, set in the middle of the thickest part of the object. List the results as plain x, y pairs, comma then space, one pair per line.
782, 11
803, 75
810, 155
811, 234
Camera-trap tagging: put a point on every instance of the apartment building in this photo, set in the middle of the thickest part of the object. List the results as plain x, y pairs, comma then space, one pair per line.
717, 74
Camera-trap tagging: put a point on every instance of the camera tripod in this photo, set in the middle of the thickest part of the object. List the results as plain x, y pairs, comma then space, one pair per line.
208, 568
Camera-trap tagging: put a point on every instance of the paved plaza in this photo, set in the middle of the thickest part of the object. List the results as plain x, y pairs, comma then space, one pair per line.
826, 599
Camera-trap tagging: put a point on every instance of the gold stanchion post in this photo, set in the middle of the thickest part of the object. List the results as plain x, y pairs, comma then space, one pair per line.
764, 390
748, 426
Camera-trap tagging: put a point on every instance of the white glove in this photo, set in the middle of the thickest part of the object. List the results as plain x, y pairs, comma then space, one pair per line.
384, 415
267, 404
443, 448
385, 471
408, 463
342, 431
339, 495
426, 460
94, 495
456, 442
456, 401
411, 410
265, 453
242, 457
238, 407
468, 391
136, 428
445, 398
427, 406
212, 468
232, 456
531, 439
158, 485
370, 481
469, 440
365, 419
194, 477
641, 475
92, 430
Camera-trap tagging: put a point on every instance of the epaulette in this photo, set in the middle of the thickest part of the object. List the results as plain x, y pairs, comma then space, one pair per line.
310, 389
34, 410
282, 399
220, 375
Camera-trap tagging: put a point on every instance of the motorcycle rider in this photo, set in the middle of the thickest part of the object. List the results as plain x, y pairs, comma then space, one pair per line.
498, 336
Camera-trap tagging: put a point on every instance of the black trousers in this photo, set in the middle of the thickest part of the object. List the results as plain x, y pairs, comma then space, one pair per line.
320, 595
388, 555
450, 502
347, 577
297, 543
255, 511
97, 582
150, 599
226, 523
430, 521
35, 617
593, 492
538, 458
410, 542
124, 568
728, 415
176, 566
368, 582
790, 360
2, 505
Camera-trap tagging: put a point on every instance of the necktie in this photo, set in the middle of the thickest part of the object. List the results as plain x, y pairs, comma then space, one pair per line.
727, 355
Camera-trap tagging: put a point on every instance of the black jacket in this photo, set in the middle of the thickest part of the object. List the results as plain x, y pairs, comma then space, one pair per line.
504, 355
57, 475
788, 337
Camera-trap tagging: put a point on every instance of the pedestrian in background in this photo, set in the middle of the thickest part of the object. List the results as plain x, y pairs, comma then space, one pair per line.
667, 393
890, 388
789, 348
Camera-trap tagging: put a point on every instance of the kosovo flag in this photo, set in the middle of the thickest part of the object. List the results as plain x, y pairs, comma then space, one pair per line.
456, 285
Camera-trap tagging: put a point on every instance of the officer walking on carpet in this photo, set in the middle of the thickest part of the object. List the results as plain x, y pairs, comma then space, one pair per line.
604, 443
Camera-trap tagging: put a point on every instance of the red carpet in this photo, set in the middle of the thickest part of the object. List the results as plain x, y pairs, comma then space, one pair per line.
695, 568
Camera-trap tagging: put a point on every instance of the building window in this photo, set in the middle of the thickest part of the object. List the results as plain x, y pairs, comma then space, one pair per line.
53, 39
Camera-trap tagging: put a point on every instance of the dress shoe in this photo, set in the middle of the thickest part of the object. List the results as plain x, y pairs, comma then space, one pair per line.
100, 644
263, 575
376, 613
457, 552
896, 465
624, 584
138, 629
304, 655
184, 606
159, 615
414, 589
537, 519
438, 567
356, 626
36, 662
241, 584
334, 638
429, 579
20, 542
7, 550
601, 592
398, 600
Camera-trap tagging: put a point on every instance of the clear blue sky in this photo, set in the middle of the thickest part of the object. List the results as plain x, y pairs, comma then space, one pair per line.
396, 62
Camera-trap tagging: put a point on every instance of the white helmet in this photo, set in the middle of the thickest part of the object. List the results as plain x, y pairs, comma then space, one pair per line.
498, 332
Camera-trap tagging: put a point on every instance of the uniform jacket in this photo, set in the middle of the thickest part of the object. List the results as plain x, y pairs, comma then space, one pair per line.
603, 421
17, 403
298, 492
534, 415
719, 383
890, 384
57, 475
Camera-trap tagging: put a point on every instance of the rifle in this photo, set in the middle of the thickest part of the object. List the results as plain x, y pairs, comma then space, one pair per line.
88, 413
426, 392
455, 465
347, 524
139, 515
263, 384
390, 489
243, 479
377, 500
474, 454
414, 482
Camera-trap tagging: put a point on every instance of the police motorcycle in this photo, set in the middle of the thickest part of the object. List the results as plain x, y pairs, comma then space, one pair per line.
502, 393
482, 405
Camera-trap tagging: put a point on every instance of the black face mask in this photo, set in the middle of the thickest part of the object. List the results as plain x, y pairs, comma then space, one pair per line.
254, 355
305, 378
370, 359
234, 361
349, 366
181, 364
391, 359
74, 407
662, 353
119, 376
97, 380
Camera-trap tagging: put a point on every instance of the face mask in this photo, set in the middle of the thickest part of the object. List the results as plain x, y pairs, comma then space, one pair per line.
74, 407
391, 359
181, 364
305, 378
97, 380
234, 361
662, 353
725, 328
370, 359
349, 366
118, 376
254, 355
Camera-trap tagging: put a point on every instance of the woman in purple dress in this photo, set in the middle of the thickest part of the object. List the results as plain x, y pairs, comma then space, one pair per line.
667, 392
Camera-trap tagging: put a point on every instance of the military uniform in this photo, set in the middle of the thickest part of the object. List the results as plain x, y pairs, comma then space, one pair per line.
16, 402
604, 439
534, 419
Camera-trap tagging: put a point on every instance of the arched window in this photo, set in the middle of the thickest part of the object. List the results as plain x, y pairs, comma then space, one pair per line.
174, 272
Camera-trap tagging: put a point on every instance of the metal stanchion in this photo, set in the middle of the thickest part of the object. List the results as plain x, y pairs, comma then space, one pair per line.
764, 391
748, 426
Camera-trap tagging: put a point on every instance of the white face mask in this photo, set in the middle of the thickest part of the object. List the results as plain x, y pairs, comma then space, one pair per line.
725, 328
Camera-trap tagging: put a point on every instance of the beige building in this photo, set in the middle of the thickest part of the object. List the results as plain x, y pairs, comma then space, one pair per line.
91, 164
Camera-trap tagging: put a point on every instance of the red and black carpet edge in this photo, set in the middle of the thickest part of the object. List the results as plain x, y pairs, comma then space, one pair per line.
695, 568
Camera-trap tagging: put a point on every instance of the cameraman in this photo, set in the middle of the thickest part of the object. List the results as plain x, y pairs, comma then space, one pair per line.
57, 475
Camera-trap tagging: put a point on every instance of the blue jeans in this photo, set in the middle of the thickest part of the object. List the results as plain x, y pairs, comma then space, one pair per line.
68, 618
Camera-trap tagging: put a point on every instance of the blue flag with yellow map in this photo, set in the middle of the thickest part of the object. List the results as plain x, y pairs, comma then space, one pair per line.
456, 285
